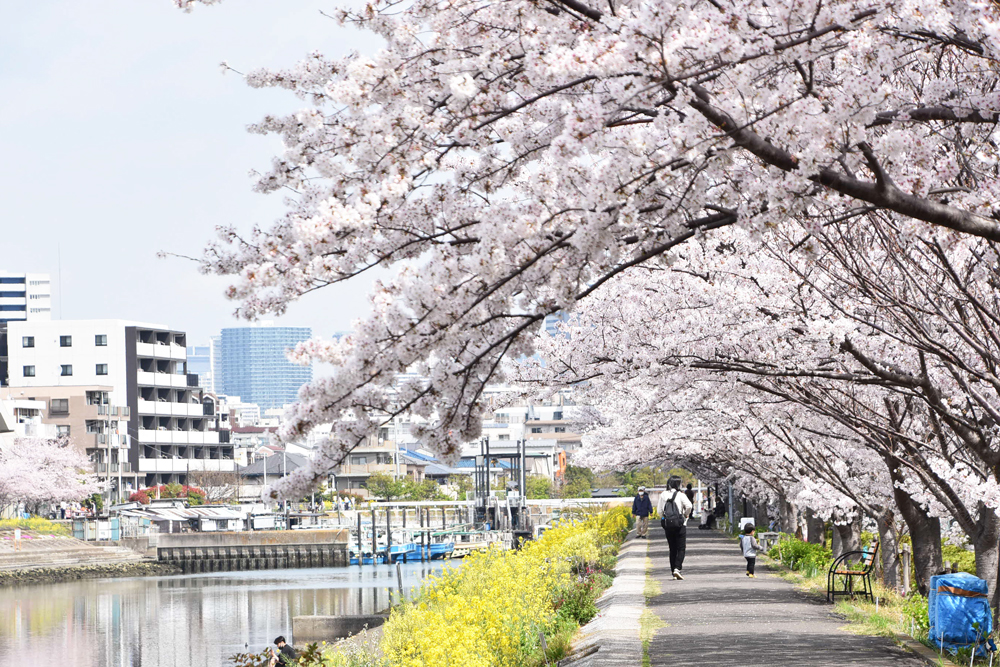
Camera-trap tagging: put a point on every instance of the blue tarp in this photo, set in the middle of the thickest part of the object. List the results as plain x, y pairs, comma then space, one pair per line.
958, 608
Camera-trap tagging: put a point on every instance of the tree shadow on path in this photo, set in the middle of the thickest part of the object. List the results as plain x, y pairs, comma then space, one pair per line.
719, 616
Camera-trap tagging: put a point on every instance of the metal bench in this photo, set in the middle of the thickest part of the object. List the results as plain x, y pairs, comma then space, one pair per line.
848, 567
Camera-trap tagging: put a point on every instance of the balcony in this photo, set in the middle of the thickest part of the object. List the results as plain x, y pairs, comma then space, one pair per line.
112, 411
148, 379
370, 468
163, 465
171, 437
102, 468
154, 351
212, 465
166, 409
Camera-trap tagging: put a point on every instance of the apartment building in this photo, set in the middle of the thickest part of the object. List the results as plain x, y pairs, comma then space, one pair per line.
141, 370
25, 297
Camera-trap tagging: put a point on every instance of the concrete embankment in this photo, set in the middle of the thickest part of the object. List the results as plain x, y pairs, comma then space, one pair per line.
260, 550
50, 575
61, 558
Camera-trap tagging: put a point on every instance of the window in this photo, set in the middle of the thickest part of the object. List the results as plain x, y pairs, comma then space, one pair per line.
62, 430
556, 416
66, 369
97, 398
503, 436
59, 406
65, 341
359, 460
536, 429
102, 369
101, 340
28, 371
560, 429
27, 341
501, 417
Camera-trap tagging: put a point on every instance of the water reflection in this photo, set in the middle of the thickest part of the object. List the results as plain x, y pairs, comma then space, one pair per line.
182, 621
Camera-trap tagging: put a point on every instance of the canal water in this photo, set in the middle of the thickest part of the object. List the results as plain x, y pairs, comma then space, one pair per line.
182, 621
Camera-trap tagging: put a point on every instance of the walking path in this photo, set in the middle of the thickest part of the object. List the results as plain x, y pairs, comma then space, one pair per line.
718, 616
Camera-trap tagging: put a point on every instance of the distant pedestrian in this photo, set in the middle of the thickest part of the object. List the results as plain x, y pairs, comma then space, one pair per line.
675, 509
689, 492
284, 656
641, 509
750, 547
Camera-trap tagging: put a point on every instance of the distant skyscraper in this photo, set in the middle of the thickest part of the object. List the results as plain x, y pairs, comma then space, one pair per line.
255, 368
552, 322
199, 358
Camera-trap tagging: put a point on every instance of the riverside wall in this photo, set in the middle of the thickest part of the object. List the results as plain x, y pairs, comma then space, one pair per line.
257, 550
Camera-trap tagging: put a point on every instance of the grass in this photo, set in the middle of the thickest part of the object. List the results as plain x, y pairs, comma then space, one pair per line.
649, 622
35, 525
893, 617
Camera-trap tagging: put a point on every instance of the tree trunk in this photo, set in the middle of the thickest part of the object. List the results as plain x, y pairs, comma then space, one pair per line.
815, 529
987, 550
850, 537
889, 549
761, 518
789, 516
925, 532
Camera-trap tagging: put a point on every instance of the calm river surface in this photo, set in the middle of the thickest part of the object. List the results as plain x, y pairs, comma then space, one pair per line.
181, 621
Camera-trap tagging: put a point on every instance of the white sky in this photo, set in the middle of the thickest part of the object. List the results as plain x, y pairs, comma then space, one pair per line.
120, 137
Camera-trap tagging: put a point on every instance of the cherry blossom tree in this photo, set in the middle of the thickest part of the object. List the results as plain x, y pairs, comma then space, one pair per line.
508, 159
35, 471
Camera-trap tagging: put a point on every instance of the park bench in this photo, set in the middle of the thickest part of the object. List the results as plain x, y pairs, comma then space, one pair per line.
848, 567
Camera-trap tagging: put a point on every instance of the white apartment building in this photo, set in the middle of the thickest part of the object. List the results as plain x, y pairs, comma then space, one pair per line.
143, 369
25, 297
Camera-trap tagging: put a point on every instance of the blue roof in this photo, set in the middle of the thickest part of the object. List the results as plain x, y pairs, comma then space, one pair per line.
418, 455
471, 463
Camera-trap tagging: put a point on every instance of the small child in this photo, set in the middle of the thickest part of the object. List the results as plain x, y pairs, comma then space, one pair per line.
750, 548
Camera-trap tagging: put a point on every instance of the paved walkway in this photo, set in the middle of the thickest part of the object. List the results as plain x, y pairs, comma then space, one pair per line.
717, 616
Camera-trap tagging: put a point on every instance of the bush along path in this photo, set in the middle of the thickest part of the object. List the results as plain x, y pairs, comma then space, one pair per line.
717, 616
500, 609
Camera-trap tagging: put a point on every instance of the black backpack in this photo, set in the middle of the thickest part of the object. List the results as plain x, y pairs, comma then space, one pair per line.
671, 517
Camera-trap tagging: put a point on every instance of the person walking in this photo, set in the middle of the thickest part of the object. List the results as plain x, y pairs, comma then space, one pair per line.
641, 509
689, 492
675, 509
750, 547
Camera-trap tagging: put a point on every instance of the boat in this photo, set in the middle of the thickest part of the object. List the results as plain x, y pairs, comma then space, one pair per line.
440, 550
404, 552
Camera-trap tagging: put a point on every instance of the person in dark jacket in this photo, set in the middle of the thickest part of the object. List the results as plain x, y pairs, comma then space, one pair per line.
285, 655
641, 509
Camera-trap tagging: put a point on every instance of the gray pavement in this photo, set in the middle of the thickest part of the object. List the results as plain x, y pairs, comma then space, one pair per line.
718, 616
612, 638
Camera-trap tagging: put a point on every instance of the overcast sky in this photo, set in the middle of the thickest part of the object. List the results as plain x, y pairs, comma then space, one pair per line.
121, 137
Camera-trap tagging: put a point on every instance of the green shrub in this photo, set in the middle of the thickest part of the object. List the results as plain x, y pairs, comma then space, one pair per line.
961, 558
914, 609
801, 556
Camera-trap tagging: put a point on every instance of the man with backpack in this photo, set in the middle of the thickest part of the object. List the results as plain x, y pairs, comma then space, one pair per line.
675, 508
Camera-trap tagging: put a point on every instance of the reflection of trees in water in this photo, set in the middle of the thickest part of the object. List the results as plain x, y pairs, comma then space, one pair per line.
182, 621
